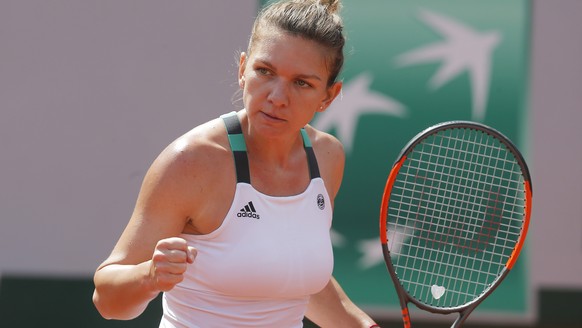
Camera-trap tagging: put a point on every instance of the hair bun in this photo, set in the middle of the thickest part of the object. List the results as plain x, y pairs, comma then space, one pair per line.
333, 6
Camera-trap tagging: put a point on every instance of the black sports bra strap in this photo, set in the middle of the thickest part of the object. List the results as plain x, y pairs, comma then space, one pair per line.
238, 146
311, 159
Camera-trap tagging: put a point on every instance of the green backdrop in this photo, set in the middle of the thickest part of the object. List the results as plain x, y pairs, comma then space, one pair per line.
409, 65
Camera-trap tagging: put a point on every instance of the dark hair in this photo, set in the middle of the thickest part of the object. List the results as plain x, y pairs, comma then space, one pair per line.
316, 20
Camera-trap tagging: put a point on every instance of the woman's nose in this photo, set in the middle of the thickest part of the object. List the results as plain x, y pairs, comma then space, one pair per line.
279, 94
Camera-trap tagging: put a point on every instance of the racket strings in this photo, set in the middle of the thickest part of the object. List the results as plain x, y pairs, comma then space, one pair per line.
451, 183
454, 216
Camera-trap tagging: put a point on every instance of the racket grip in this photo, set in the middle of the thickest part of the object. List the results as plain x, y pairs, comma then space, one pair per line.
406, 318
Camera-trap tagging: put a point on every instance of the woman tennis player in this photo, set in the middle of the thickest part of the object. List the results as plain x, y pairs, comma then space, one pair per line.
232, 222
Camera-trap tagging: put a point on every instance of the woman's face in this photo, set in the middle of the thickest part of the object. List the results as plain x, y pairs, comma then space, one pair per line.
284, 81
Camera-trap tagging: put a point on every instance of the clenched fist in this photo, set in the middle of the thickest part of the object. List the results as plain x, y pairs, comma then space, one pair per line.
169, 262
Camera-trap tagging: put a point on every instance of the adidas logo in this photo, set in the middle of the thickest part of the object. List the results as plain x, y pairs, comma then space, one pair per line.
248, 212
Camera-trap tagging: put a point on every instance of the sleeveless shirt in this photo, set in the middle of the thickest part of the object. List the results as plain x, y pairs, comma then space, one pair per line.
260, 266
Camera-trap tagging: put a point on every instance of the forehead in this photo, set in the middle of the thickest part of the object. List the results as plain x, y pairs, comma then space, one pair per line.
283, 48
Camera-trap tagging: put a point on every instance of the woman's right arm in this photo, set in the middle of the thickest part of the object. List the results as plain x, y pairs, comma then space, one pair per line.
149, 258
123, 291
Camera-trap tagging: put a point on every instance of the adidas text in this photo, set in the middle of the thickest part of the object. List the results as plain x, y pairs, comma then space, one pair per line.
248, 215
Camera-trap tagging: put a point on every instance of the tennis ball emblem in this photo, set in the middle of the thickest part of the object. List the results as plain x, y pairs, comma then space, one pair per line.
320, 202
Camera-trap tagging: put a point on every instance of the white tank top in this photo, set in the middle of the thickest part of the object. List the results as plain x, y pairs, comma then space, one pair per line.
259, 268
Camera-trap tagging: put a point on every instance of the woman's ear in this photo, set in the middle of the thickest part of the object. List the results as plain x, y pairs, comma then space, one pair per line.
241, 69
332, 92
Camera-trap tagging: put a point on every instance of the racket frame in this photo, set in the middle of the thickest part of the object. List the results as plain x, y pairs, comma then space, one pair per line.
403, 296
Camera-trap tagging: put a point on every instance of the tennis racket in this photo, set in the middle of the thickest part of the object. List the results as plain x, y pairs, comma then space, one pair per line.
454, 217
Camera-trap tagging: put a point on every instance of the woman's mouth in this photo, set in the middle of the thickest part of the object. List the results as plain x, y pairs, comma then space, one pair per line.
271, 117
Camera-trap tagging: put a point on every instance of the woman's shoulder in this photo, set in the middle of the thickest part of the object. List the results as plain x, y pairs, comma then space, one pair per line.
325, 143
202, 142
202, 149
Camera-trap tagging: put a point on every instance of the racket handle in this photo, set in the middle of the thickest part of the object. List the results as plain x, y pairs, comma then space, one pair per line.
406, 318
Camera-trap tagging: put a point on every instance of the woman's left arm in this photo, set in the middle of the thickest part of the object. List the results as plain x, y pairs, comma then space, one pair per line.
331, 307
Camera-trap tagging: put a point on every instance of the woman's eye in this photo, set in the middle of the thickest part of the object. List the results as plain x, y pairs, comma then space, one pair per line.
302, 83
263, 71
